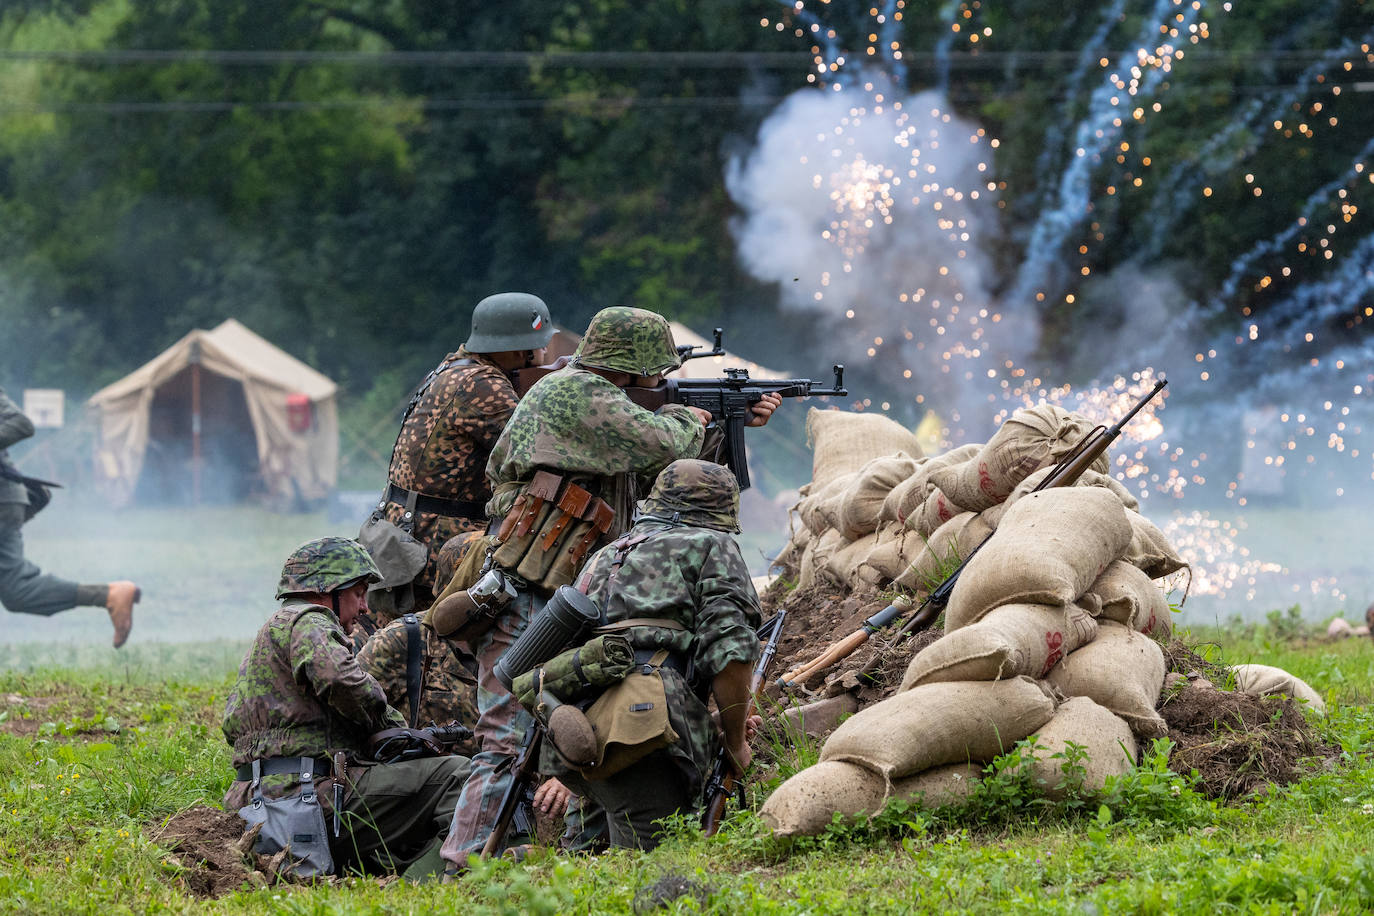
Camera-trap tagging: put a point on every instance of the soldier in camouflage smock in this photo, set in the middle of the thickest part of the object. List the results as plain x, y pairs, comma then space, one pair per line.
300, 693
579, 423
678, 563
448, 683
441, 452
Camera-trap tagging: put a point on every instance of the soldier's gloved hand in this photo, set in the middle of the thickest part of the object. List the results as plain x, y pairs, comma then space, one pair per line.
552, 797
764, 409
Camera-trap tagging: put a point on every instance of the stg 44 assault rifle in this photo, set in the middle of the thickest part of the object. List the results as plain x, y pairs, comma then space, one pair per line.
723, 781
727, 399
1065, 474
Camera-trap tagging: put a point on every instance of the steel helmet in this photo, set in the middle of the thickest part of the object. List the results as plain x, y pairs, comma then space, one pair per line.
509, 321
326, 565
696, 492
624, 339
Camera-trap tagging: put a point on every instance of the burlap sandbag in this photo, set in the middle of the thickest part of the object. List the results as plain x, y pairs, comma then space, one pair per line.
1263, 680
816, 508
806, 803
934, 512
936, 724
1126, 595
908, 495
944, 550
1012, 640
1048, 549
1149, 550
806, 566
1031, 438
842, 566
1121, 670
1105, 737
863, 500
894, 548
1088, 478
843, 441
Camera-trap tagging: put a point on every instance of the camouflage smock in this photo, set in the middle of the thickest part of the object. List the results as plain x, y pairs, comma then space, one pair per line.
300, 693
443, 447
448, 687
578, 423
697, 577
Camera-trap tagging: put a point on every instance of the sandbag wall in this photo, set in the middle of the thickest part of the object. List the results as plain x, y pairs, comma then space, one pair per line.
877, 511
1045, 635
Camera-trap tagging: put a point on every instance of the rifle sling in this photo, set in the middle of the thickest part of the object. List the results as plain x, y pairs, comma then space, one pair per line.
414, 669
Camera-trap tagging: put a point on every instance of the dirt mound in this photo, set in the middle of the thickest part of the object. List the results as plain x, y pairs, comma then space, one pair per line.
820, 616
1239, 743
205, 842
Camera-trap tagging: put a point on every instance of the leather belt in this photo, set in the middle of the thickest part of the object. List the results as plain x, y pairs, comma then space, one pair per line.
281, 766
436, 505
675, 660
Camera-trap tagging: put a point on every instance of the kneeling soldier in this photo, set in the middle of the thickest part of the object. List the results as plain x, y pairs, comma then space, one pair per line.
677, 588
299, 718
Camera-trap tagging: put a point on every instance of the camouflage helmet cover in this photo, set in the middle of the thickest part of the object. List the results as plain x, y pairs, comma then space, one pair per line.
696, 492
325, 565
624, 339
509, 321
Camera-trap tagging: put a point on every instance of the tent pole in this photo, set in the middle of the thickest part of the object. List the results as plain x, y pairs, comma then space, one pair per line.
195, 427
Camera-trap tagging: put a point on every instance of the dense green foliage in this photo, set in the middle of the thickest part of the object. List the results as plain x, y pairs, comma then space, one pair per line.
354, 207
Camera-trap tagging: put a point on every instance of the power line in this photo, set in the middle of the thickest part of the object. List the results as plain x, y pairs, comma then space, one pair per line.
639, 59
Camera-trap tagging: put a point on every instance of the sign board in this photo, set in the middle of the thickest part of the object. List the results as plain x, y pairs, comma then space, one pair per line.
44, 406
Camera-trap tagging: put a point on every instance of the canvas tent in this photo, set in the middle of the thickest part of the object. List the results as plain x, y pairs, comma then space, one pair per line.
221, 415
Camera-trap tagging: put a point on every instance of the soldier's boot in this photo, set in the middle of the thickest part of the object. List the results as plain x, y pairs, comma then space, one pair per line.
120, 601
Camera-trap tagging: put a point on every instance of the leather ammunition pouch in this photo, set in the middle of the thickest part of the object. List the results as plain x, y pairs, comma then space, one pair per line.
549, 531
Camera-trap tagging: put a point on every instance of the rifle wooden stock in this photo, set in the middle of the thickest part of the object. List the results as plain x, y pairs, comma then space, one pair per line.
846, 646
723, 782
525, 766
1065, 474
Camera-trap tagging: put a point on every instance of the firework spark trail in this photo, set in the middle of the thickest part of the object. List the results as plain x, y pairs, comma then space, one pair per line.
943, 46
1311, 305
890, 32
1095, 134
1244, 134
829, 66
1053, 144
1319, 198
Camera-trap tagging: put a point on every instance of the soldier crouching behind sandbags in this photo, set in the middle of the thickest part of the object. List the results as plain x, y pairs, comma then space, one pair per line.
300, 717
676, 588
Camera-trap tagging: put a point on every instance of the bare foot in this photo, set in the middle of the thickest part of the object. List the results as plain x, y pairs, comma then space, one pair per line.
120, 602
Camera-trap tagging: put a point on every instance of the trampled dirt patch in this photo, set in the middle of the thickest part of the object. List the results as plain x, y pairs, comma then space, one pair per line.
821, 616
1240, 744
205, 841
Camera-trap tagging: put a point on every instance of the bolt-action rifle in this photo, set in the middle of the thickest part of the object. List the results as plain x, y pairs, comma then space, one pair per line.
1065, 474
517, 805
727, 399
723, 781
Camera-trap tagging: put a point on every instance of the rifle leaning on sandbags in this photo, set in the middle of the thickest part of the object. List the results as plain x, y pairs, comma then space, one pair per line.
727, 399
1065, 474
723, 782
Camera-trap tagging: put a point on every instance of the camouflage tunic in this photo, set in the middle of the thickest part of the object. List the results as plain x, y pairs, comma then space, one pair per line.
443, 447
300, 693
448, 685
577, 422
697, 577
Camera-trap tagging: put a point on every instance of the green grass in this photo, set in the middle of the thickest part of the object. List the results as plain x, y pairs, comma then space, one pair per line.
104, 756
